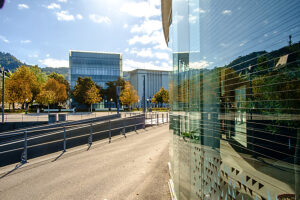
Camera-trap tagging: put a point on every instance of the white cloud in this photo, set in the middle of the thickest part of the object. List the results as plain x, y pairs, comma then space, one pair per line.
224, 45
23, 6
243, 43
4, 39
79, 16
142, 9
155, 38
51, 62
129, 65
192, 19
47, 55
125, 26
64, 16
226, 12
147, 53
63, 1
25, 41
148, 27
200, 65
126, 50
199, 10
53, 6
162, 56
99, 19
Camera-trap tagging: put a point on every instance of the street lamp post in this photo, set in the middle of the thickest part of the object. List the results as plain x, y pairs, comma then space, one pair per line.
111, 100
3, 71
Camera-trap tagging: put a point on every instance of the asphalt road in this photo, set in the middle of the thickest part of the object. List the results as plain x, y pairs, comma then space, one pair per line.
131, 168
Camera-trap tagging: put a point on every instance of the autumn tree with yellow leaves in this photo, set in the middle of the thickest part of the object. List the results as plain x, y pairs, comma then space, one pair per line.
52, 92
128, 95
21, 86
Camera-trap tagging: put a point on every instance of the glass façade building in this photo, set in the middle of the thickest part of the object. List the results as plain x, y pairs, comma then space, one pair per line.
101, 67
235, 98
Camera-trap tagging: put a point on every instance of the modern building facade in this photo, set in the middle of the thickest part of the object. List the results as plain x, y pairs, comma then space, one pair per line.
235, 98
101, 67
154, 81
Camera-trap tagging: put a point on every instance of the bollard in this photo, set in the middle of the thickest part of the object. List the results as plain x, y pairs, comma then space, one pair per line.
144, 121
109, 124
90, 140
123, 130
167, 117
24, 155
151, 119
163, 115
157, 119
135, 124
65, 142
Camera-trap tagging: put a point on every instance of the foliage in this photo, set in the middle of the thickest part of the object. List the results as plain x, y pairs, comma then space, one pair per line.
162, 96
128, 95
22, 86
52, 92
110, 91
61, 79
86, 91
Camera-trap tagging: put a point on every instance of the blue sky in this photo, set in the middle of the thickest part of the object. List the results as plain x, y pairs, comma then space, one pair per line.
43, 31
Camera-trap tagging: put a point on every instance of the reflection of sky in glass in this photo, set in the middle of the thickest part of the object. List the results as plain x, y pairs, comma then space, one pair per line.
230, 28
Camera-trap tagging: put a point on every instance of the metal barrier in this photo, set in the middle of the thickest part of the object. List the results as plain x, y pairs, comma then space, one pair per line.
42, 140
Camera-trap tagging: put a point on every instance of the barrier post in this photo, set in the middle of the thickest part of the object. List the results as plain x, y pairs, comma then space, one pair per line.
123, 130
157, 119
135, 123
90, 140
144, 121
65, 143
163, 116
167, 117
24, 155
109, 124
151, 119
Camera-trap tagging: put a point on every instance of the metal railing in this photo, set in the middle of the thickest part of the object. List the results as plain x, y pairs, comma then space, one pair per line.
37, 141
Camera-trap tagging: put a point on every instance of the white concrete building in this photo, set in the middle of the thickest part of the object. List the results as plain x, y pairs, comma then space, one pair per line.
154, 80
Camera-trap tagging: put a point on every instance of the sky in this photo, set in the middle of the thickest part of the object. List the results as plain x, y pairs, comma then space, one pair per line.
41, 32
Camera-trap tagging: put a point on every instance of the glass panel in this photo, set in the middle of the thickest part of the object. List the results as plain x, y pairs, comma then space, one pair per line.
235, 99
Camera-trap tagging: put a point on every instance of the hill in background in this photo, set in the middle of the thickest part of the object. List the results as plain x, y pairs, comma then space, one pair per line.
12, 63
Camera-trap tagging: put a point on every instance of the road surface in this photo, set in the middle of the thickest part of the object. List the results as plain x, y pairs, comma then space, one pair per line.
129, 168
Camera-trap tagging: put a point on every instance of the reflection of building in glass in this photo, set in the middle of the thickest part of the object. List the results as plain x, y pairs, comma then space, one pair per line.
101, 67
235, 98
154, 80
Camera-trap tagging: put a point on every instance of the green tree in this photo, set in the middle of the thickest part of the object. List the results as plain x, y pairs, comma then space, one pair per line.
162, 96
110, 91
128, 95
86, 91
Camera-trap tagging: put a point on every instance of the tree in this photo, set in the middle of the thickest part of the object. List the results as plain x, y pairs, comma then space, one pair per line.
86, 91
128, 95
110, 91
162, 96
41, 78
52, 92
22, 86
61, 79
